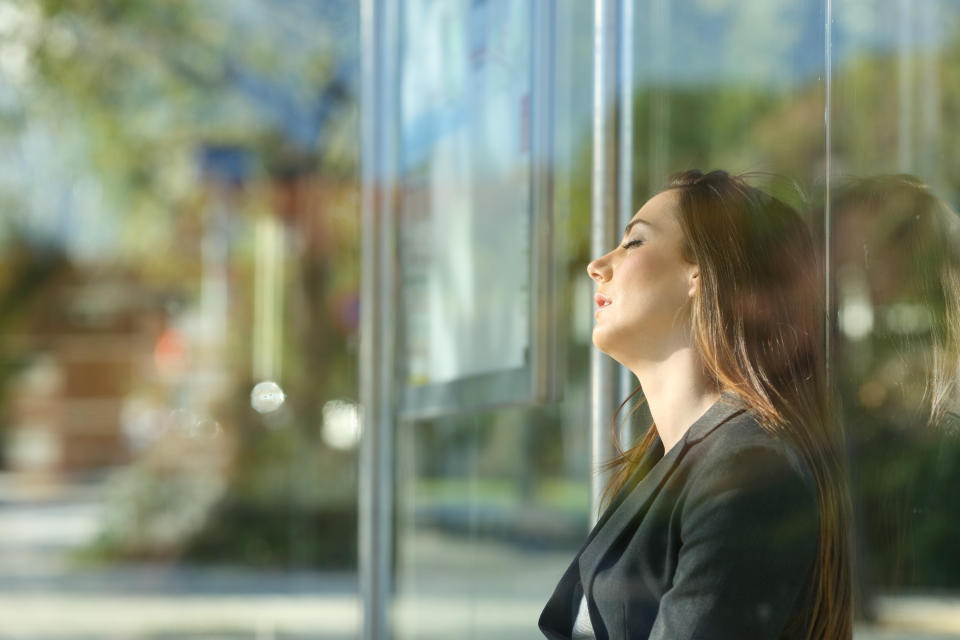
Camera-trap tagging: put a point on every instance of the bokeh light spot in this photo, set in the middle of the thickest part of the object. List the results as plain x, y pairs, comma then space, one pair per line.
267, 397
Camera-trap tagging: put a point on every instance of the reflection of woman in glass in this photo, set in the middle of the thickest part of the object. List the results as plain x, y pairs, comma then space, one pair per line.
729, 519
897, 356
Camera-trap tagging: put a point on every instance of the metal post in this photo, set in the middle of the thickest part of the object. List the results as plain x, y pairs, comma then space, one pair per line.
545, 274
603, 232
377, 288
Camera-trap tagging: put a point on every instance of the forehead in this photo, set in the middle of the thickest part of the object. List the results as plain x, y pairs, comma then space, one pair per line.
660, 212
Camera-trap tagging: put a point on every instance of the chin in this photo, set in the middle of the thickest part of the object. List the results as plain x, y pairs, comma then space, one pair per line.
603, 343
622, 346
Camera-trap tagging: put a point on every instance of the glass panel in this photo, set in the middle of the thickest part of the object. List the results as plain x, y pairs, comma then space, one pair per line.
895, 265
743, 86
178, 312
492, 505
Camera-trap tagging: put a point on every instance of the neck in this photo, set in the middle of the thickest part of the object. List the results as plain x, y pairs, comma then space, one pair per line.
677, 391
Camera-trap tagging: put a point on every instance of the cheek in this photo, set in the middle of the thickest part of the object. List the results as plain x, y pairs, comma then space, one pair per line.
640, 268
653, 273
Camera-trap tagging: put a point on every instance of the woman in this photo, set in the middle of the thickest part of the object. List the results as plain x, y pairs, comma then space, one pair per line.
729, 519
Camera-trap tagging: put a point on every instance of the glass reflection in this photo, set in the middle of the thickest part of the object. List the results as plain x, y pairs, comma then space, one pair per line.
897, 259
893, 239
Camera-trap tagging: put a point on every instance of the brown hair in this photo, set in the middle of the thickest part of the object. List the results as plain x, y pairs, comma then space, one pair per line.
758, 324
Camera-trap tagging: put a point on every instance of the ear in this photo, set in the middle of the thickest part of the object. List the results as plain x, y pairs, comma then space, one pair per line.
694, 280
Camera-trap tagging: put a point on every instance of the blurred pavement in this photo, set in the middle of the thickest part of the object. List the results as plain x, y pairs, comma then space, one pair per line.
44, 597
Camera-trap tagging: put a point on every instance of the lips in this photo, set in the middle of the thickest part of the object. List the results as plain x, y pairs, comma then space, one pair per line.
602, 301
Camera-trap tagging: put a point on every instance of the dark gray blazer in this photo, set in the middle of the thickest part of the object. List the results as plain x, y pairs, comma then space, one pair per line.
716, 540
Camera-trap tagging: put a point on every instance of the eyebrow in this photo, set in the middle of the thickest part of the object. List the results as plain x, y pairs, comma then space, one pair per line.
634, 222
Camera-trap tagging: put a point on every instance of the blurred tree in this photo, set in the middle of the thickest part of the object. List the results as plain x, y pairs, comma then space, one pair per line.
133, 92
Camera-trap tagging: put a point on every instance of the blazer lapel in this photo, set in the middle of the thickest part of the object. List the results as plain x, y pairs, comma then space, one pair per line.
647, 462
556, 620
634, 505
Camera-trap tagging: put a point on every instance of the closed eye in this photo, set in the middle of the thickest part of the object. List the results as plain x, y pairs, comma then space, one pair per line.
632, 243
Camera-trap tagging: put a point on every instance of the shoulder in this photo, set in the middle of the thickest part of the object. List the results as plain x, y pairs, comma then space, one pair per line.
747, 533
743, 439
742, 457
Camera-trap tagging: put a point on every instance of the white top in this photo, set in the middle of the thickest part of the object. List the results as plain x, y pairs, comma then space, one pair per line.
582, 627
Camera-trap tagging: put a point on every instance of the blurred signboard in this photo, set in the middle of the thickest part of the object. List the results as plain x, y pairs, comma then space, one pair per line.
474, 222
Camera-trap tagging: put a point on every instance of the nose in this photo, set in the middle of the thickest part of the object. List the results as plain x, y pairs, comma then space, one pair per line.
598, 270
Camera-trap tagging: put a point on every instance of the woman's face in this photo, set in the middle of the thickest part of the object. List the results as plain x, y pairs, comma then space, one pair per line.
644, 286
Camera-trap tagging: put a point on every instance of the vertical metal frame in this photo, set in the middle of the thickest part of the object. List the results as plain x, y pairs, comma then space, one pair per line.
377, 305
604, 384
547, 346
